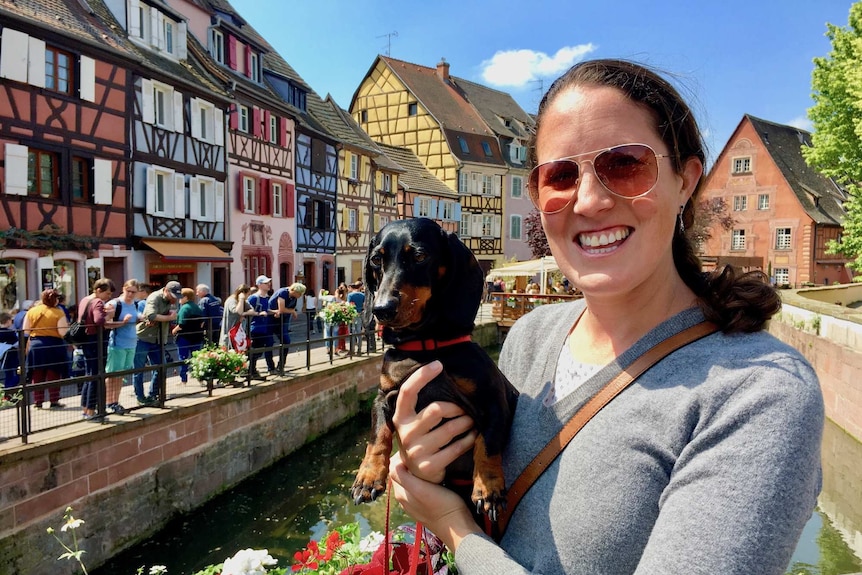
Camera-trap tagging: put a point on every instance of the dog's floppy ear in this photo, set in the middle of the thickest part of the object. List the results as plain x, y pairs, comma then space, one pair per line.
464, 283
370, 283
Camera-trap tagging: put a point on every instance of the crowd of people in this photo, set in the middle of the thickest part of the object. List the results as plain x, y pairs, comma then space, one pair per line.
144, 326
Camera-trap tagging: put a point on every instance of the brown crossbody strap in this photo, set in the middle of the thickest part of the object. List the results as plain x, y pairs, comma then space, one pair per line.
613, 388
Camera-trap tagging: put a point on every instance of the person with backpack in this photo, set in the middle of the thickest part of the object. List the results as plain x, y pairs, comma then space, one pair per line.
121, 344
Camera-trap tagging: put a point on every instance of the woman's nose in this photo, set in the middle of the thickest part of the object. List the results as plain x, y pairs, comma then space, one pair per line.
591, 195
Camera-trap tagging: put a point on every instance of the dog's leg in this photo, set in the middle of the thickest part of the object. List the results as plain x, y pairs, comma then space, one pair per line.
370, 481
489, 485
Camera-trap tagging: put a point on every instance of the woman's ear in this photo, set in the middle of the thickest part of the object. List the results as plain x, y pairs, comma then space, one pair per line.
692, 171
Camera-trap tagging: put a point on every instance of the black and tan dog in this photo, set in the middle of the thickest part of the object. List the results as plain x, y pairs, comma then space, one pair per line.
424, 286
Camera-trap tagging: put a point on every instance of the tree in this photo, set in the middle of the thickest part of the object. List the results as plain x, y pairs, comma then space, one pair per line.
536, 238
836, 83
711, 212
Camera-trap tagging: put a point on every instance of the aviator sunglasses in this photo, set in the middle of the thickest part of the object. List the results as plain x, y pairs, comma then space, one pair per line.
628, 171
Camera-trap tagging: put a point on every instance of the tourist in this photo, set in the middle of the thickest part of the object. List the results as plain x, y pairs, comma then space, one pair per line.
310, 311
356, 298
9, 361
212, 309
189, 331
260, 327
18, 318
284, 303
122, 343
325, 298
152, 333
710, 461
236, 307
47, 359
93, 313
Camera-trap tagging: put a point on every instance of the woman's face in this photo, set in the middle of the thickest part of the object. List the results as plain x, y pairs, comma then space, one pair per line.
587, 118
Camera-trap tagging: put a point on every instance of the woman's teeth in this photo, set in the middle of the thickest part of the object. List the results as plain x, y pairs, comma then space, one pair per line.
602, 239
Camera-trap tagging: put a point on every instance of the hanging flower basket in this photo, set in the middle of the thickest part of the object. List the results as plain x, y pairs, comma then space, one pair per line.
338, 312
217, 364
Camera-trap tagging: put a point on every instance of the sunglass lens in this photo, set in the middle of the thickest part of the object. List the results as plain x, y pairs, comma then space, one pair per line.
556, 180
627, 170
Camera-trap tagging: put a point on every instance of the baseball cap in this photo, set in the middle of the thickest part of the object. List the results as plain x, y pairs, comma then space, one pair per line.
262, 280
175, 289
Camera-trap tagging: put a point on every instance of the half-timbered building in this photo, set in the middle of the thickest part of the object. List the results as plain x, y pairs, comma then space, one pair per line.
421, 194
64, 149
179, 160
261, 138
424, 109
363, 206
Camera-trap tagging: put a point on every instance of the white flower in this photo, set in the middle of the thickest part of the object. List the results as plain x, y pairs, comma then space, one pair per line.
371, 542
158, 570
72, 523
248, 562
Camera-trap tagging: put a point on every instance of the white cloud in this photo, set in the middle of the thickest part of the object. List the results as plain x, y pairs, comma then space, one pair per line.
515, 68
801, 122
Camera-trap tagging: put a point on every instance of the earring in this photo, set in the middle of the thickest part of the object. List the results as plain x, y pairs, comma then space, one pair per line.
681, 223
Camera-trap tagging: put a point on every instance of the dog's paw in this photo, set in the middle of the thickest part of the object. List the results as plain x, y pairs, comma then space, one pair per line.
489, 498
369, 484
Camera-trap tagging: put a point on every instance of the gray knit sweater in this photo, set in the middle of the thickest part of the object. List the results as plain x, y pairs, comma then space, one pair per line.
709, 463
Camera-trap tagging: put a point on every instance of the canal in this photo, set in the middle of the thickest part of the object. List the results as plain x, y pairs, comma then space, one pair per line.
300, 497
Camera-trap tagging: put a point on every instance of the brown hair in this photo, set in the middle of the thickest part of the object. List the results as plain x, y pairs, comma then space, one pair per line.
242, 288
736, 301
188, 293
104, 284
50, 297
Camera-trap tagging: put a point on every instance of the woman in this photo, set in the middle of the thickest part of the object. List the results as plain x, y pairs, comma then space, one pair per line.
189, 330
341, 329
325, 298
236, 307
709, 461
47, 356
122, 341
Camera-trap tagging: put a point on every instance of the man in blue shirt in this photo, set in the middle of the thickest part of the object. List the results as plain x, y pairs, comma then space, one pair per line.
283, 303
213, 311
356, 297
261, 327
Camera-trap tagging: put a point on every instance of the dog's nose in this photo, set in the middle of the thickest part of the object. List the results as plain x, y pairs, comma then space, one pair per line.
385, 308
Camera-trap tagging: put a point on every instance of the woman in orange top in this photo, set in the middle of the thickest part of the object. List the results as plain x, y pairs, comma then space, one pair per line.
47, 353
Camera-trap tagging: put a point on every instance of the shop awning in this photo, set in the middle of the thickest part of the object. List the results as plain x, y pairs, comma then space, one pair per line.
177, 250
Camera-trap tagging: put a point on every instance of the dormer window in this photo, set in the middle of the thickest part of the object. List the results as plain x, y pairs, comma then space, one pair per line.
742, 165
463, 143
217, 46
155, 29
486, 147
254, 63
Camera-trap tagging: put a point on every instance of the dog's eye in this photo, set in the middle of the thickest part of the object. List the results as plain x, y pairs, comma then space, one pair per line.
420, 257
376, 260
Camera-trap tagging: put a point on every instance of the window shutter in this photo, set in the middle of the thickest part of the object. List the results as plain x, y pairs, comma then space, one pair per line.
233, 116
457, 216
476, 225
195, 108
151, 190
255, 120
36, 62
13, 55
103, 184
240, 188
179, 196
182, 35
231, 52
218, 126
498, 185
148, 104
219, 201
264, 195
497, 225
178, 112
289, 209
522, 153
248, 61
363, 221
432, 213
16, 168
265, 130
134, 23
282, 132
415, 207
376, 223
87, 79
194, 199
475, 183
156, 38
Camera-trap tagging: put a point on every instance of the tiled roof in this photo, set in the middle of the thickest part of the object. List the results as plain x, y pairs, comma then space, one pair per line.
784, 144
495, 107
416, 178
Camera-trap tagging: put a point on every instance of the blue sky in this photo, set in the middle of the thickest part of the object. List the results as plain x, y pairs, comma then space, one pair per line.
729, 58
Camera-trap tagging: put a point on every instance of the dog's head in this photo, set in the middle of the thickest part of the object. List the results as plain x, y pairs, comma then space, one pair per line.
421, 281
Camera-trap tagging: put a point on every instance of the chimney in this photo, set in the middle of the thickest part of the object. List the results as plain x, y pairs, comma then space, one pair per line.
443, 70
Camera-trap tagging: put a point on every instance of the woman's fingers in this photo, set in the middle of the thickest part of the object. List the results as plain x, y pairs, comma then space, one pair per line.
405, 407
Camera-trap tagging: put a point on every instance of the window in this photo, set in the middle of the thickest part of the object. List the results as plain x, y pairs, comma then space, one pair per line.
464, 230
80, 180
517, 153
763, 202
447, 210
517, 186
273, 129
782, 276
42, 174
254, 73
277, 200
161, 205
248, 195
412, 109
462, 182
318, 215
783, 239
515, 227
740, 203
486, 147
352, 219
162, 107
424, 208
354, 167
58, 70
363, 116
203, 203
487, 185
387, 183
738, 241
169, 36
243, 119
463, 143
487, 225
217, 47
296, 96
143, 21
742, 165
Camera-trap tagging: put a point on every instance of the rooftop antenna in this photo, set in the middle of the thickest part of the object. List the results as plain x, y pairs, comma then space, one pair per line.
389, 37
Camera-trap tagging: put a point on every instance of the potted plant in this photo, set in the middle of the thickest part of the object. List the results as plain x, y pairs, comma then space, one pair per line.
340, 314
215, 363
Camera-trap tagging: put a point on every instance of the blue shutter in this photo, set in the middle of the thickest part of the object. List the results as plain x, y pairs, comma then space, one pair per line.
457, 212
416, 207
433, 211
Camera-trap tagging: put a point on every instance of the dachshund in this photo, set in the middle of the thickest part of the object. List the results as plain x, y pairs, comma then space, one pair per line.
424, 287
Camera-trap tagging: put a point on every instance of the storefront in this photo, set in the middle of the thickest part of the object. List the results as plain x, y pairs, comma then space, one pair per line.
180, 260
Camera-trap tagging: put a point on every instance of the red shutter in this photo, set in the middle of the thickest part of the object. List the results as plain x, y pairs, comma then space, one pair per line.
240, 196
266, 117
282, 132
289, 201
255, 115
264, 197
233, 113
231, 52
248, 61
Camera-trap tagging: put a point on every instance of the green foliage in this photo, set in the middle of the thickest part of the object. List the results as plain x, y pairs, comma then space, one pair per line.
72, 551
51, 238
837, 139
